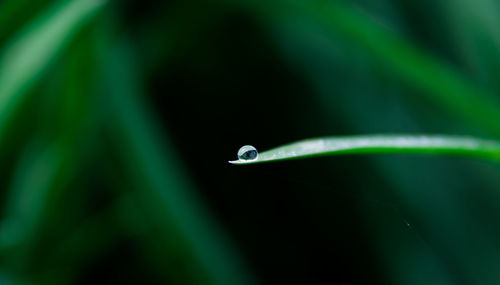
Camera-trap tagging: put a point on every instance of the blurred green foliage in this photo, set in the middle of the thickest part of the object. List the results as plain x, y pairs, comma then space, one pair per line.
117, 120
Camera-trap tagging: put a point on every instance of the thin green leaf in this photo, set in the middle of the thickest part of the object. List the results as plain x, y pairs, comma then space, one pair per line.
438, 82
187, 233
372, 144
24, 60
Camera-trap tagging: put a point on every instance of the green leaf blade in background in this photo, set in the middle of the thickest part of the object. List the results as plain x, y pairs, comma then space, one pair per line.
432, 144
24, 59
439, 82
181, 230
58, 39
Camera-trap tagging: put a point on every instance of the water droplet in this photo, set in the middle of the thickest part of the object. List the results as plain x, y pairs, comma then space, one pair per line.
407, 224
248, 152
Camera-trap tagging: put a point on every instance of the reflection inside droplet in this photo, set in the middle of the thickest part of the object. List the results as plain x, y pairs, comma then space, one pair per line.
248, 152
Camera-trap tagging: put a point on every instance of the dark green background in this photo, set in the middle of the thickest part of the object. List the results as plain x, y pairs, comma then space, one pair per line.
117, 119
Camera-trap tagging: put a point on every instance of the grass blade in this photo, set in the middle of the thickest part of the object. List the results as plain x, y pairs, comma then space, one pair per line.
372, 144
184, 231
24, 60
436, 80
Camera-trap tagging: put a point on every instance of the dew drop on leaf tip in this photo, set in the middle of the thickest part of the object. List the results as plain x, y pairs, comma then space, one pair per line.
248, 153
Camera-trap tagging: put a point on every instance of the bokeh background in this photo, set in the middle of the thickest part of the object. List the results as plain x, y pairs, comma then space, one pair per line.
117, 119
